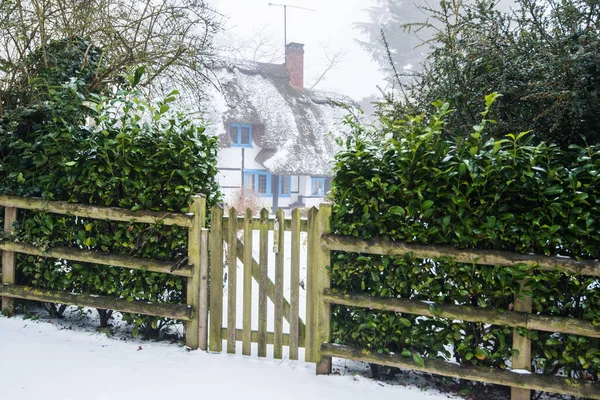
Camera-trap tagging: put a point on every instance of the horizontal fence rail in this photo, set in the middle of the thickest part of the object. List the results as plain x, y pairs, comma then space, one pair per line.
471, 256
256, 224
482, 374
100, 257
175, 311
97, 212
466, 313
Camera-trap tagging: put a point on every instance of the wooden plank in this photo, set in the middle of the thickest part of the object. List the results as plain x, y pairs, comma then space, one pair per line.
97, 212
466, 313
99, 257
288, 225
247, 311
470, 256
279, 238
216, 279
262, 283
239, 335
295, 285
569, 386
9, 260
270, 285
323, 282
523, 345
204, 294
232, 256
192, 328
176, 311
311, 266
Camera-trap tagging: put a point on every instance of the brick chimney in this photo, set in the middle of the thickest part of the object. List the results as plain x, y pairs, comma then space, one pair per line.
294, 61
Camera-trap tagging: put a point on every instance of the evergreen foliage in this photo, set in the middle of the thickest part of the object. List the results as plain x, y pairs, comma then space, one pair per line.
110, 148
473, 191
543, 58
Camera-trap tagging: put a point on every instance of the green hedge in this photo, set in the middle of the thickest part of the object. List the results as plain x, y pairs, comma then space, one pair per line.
112, 149
402, 181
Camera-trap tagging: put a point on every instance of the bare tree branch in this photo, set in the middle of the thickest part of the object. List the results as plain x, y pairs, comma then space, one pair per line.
334, 59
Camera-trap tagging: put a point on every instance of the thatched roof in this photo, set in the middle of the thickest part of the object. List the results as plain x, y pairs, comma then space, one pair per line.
292, 126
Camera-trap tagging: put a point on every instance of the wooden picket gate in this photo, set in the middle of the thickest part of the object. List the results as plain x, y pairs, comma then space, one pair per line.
232, 235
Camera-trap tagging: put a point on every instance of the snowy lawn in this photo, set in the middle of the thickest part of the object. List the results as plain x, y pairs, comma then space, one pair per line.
43, 360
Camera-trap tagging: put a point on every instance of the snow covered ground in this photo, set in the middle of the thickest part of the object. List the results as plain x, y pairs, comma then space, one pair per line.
45, 359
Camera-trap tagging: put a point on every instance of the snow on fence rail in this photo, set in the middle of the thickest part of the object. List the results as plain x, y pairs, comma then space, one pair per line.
521, 384
194, 312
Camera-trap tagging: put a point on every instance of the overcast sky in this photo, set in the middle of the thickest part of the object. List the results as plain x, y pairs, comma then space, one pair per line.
329, 25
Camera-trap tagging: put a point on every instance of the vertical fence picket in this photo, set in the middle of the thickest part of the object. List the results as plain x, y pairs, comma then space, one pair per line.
192, 328
311, 265
203, 306
216, 279
295, 285
523, 344
247, 308
8, 260
262, 285
323, 310
231, 279
279, 238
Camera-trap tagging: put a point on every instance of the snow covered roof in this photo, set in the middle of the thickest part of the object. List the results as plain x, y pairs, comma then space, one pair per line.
296, 128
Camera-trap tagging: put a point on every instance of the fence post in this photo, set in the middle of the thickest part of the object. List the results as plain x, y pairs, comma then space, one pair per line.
295, 285
203, 307
8, 260
232, 231
279, 241
262, 283
216, 279
192, 328
310, 284
323, 310
523, 345
247, 295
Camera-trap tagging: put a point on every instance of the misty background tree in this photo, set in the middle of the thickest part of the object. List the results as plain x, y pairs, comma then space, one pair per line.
389, 20
543, 57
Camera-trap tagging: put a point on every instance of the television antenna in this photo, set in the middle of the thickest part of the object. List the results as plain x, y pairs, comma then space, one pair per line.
285, 6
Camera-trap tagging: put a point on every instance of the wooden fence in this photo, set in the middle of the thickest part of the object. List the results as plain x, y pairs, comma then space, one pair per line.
520, 384
233, 235
194, 312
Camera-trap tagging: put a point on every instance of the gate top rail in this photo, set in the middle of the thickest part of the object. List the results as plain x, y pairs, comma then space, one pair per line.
97, 212
472, 256
256, 224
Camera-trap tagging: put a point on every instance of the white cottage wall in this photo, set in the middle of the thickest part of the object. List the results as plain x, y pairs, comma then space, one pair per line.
232, 162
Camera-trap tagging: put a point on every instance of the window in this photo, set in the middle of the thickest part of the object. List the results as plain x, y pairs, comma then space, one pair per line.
240, 135
258, 181
285, 186
318, 187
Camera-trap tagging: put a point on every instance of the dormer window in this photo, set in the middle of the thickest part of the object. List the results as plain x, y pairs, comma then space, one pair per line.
240, 135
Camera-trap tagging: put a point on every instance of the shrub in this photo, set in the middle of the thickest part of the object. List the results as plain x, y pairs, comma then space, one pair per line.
469, 192
118, 150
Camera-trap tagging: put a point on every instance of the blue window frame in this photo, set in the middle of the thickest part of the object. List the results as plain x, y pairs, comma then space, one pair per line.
240, 135
317, 187
285, 186
258, 181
